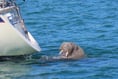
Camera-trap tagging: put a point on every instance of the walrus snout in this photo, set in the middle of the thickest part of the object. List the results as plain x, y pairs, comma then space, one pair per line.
63, 53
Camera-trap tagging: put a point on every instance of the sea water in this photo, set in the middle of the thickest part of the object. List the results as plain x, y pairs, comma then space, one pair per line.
92, 24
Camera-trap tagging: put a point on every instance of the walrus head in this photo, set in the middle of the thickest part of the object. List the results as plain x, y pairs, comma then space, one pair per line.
67, 49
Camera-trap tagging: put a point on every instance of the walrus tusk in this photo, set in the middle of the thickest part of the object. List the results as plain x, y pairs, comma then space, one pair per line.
67, 54
60, 52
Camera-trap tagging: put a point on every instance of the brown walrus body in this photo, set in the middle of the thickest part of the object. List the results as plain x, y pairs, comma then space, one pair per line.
69, 50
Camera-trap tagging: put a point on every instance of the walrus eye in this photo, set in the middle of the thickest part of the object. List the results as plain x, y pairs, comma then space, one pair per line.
60, 52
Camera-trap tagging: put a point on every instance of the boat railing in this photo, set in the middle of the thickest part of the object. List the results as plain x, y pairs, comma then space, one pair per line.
6, 3
6, 9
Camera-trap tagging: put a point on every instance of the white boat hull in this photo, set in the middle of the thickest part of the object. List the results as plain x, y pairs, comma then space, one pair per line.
14, 41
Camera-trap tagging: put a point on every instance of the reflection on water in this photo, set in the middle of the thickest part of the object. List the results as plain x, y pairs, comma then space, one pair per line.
9, 69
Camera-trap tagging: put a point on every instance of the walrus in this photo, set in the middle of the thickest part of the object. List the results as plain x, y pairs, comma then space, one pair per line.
69, 50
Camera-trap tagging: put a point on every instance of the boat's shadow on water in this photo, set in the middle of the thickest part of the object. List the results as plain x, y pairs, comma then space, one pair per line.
13, 58
30, 59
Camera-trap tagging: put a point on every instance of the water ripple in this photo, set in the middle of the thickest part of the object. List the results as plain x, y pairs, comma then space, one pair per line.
92, 24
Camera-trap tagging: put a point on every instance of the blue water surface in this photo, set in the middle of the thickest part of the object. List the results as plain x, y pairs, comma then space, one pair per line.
92, 24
